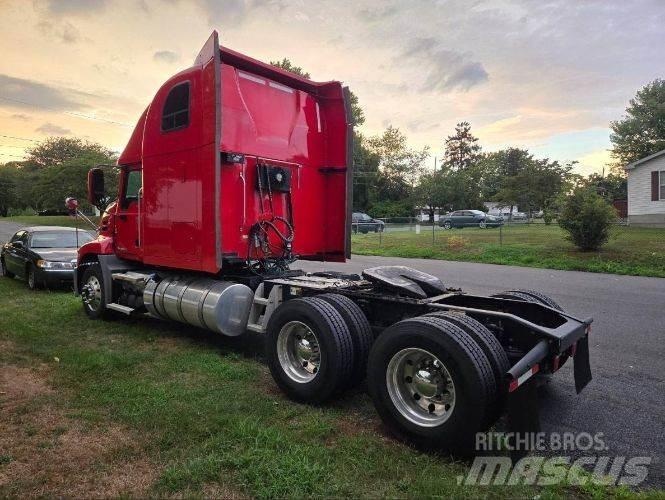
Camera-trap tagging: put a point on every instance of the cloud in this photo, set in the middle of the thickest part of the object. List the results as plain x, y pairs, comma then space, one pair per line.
69, 7
166, 56
20, 116
52, 129
595, 161
235, 12
446, 70
68, 33
373, 15
21, 93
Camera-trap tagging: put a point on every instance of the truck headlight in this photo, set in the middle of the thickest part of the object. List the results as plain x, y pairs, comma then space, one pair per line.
49, 264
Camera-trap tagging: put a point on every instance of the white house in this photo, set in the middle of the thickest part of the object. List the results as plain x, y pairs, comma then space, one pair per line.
646, 191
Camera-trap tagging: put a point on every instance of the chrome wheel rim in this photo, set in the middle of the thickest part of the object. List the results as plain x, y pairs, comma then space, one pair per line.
92, 293
420, 387
447, 225
483, 224
298, 352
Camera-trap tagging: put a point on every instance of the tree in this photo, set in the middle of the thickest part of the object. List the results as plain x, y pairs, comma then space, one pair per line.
7, 191
642, 131
399, 165
287, 65
365, 173
55, 151
611, 187
461, 150
587, 218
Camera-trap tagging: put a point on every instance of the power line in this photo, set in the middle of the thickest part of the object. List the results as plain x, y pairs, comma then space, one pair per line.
15, 156
70, 113
18, 138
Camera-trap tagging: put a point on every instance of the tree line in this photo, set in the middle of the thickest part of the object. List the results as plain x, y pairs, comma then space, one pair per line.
391, 178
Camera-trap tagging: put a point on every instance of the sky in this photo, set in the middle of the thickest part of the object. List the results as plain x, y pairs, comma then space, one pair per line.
547, 75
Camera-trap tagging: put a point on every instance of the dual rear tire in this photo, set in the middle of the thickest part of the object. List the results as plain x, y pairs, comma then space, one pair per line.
435, 380
318, 346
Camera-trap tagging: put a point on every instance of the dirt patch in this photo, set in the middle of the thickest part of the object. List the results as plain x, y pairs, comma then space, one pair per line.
45, 453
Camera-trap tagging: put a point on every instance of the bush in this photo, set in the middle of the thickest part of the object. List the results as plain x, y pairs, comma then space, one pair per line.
587, 218
457, 243
548, 217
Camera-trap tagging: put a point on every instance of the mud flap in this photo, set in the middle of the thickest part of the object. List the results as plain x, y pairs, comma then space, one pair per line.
582, 367
523, 419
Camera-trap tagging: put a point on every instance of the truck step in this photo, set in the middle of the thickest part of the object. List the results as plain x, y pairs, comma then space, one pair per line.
253, 327
120, 308
260, 300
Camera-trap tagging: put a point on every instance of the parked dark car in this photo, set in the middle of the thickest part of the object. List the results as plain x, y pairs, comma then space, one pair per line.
363, 223
43, 255
469, 218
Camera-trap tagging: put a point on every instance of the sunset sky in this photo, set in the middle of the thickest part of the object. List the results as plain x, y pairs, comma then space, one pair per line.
548, 75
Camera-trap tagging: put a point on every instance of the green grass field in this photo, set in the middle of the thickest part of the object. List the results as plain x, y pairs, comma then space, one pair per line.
631, 250
141, 407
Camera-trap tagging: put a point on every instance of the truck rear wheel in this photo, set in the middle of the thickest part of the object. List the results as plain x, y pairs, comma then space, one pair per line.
494, 352
431, 383
530, 296
92, 292
360, 330
310, 351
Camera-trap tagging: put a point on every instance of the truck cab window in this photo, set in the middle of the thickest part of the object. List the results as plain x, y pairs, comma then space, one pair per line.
175, 114
132, 187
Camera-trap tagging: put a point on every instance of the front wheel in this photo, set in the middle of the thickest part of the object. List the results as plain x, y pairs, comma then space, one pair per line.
447, 225
33, 282
4, 271
92, 292
482, 224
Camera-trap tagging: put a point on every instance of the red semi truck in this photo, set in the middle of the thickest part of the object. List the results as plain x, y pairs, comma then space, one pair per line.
235, 170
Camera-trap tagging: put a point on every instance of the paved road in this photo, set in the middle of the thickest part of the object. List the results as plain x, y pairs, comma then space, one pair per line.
626, 399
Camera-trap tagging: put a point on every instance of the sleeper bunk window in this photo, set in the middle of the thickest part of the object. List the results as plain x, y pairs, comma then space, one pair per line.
175, 114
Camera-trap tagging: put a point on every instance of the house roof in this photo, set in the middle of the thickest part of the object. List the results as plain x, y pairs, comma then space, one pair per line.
637, 163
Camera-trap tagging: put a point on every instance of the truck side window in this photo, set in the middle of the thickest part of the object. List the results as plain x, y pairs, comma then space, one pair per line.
175, 114
132, 186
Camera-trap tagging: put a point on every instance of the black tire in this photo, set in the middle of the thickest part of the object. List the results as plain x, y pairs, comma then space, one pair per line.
467, 365
447, 225
31, 277
335, 348
530, 296
4, 271
360, 330
494, 352
93, 311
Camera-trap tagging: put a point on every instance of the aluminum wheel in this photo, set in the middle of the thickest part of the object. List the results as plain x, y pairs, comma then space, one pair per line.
92, 293
298, 352
420, 387
482, 224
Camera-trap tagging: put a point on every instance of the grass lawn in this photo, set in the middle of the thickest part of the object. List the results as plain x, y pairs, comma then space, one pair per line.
631, 250
141, 407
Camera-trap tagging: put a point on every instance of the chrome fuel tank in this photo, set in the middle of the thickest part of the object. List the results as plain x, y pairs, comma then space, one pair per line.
220, 306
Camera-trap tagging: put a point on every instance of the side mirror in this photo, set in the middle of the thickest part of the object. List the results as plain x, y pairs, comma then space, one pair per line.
95, 186
18, 244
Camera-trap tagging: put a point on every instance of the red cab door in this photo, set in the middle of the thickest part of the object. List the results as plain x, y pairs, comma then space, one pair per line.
127, 221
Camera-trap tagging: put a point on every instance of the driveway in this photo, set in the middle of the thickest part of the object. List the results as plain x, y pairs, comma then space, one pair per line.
626, 399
